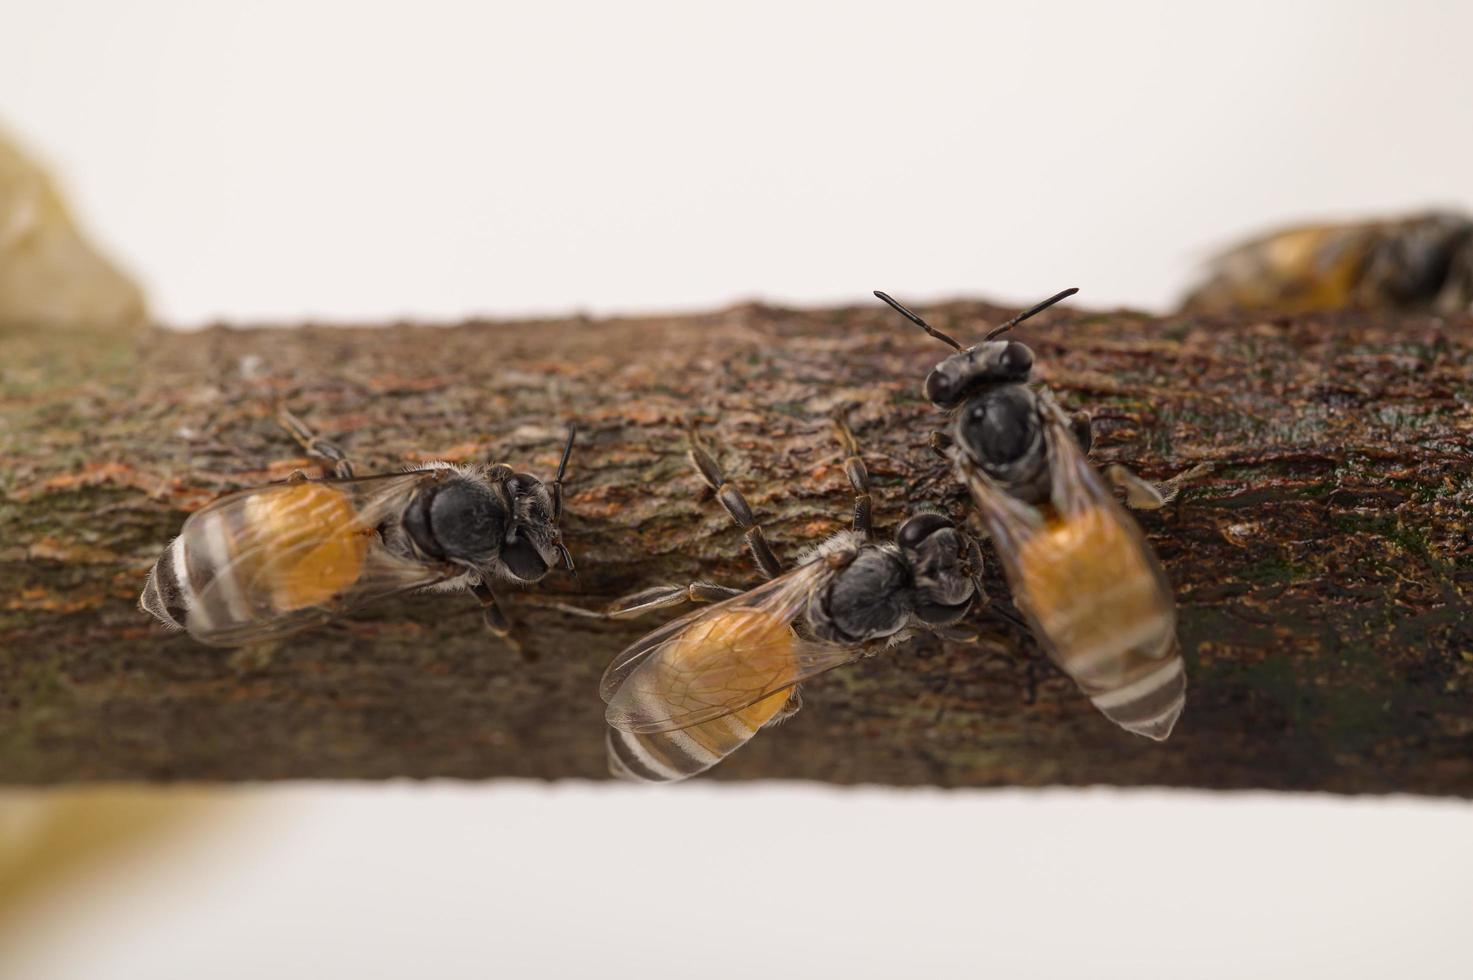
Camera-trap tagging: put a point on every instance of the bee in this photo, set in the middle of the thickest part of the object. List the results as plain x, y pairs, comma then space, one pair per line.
1080, 570
1422, 262
692, 692
272, 560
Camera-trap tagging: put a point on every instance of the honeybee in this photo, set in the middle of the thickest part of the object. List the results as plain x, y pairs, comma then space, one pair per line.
1079, 568
1422, 262
276, 559
694, 691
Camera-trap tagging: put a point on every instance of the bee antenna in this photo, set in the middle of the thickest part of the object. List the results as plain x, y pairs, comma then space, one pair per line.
887, 298
557, 481
1039, 308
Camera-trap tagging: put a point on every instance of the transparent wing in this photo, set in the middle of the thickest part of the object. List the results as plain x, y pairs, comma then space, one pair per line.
1080, 569
276, 559
721, 659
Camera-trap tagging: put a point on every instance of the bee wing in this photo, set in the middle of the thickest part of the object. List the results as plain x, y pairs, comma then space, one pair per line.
275, 559
1090, 585
721, 659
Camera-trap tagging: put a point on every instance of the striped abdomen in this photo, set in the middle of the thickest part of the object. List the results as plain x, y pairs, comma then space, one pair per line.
256, 560
666, 757
1107, 619
717, 661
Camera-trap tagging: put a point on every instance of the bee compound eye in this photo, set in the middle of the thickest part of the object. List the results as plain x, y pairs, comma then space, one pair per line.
941, 614
1016, 360
520, 556
918, 528
940, 387
519, 483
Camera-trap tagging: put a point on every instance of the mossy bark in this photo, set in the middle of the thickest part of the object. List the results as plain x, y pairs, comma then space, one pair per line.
1322, 569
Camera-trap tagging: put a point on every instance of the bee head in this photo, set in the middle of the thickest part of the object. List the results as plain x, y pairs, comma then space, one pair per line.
533, 542
991, 362
945, 564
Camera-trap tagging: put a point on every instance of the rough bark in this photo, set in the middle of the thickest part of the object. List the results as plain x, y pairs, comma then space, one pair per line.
1321, 570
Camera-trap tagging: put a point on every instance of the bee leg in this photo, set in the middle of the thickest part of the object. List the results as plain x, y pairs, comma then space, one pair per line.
736, 505
790, 708
1082, 426
1144, 495
494, 618
316, 445
1139, 494
977, 566
655, 597
1175, 484
255, 657
940, 444
858, 475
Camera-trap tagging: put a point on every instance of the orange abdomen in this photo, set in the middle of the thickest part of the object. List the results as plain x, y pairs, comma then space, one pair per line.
1096, 596
305, 544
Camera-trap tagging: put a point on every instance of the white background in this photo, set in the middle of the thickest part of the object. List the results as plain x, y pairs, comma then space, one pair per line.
344, 160
279, 160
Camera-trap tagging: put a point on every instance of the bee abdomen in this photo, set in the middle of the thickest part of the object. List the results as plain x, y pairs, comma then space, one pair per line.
166, 593
1150, 704
255, 559
667, 757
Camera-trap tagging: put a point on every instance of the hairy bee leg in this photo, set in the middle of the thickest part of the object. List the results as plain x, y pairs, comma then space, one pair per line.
656, 597
858, 475
1173, 486
736, 505
978, 566
940, 444
494, 617
1144, 495
1139, 494
316, 445
790, 707
1082, 425
256, 656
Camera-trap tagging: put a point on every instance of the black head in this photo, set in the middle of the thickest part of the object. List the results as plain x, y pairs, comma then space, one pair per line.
945, 564
991, 362
1424, 261
534, 542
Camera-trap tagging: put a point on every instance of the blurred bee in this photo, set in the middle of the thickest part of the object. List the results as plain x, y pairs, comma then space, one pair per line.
1423, 262
1080, 570
694, 691
261, 563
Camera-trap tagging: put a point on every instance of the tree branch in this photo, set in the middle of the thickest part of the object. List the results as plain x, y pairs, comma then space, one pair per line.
1321, 570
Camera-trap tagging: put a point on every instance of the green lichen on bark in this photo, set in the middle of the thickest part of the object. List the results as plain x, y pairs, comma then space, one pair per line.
1321, 570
